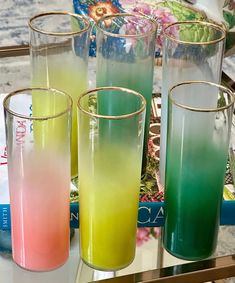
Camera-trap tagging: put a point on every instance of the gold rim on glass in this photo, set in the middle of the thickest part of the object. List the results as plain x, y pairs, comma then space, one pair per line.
24, 91
213, 25
137, 94
195, 109
154, 25
86, 22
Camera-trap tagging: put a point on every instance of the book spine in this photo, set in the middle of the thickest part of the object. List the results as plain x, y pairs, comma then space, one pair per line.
151, 214
5, 219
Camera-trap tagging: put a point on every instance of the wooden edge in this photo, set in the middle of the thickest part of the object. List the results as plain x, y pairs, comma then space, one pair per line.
11, 51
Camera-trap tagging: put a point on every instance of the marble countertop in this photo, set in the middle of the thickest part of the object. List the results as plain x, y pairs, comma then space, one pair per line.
14, 16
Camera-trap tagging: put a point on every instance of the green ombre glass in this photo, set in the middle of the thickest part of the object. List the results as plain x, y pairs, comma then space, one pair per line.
199, 126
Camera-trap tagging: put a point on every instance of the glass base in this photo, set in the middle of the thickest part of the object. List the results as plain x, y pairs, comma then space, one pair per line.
188, 258
106, 269
40, 269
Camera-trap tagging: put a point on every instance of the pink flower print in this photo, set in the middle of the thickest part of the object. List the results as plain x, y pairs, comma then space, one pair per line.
134, 26
143, 8
231, 5
162, 15
156, 232
142, 236
126, 3
164, 18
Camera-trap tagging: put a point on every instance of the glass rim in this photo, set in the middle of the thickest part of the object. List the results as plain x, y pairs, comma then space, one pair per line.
155, 24
112, 117
70, 33
37, 118
214, 25
197, 109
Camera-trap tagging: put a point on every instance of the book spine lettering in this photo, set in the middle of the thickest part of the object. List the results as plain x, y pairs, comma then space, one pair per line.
151, 214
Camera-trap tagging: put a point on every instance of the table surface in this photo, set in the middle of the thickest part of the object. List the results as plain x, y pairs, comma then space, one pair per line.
15, 73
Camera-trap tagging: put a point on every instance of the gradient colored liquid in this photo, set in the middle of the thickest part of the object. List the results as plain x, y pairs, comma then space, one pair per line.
108, 207
193, 198
137, 76
68, 73
40, 211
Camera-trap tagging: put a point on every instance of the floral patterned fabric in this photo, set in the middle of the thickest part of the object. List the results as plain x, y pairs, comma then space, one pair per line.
229, 13
95, 9
164, 12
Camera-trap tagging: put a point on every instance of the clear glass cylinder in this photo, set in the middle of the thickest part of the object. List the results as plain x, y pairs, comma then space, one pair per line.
110, 158
38, 149
191, 51
125, 57
199, 126
59, 43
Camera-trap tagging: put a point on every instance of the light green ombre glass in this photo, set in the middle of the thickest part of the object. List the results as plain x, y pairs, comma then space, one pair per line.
110, 156
59, 44
125, 57
192, 50
199, 126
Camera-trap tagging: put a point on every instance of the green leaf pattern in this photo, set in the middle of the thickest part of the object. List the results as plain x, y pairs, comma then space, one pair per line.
229, 13
229, 18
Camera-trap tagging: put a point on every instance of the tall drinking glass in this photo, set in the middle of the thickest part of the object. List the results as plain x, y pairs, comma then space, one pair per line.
110, 156
199, 126
125, 57
38, 148
191, 51
59, 43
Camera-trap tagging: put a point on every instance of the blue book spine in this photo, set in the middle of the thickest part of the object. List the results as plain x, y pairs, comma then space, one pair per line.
151, 214
5, 218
